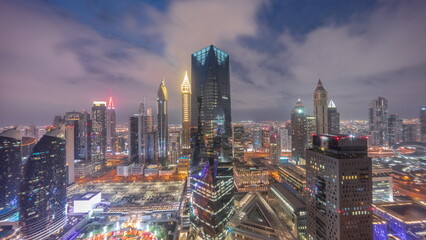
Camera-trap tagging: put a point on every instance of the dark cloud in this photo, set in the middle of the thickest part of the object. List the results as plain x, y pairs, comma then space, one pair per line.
78, 51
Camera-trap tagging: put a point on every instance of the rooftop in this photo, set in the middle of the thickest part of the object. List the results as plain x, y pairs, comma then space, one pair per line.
406, 211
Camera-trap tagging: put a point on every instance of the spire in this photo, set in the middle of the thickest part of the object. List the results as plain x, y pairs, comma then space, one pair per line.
319, 86
110, 103
186, 86
331, 104
162, 91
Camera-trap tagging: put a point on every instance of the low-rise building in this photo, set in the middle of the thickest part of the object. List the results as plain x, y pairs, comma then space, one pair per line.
294, 176
250, 177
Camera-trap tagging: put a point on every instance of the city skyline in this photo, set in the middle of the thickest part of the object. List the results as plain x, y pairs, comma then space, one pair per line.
128, 61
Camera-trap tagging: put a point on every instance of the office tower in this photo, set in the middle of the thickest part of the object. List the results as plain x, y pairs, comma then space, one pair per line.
174, 146
237, 142
85, 146
111, 135
150, 138
74, 119
43, 192
10, 169
135, 138
212, 184
339, 188
320, 108
275, 148
285, 139
69, 153
299, 139
423, 124
58, 121
257, 140
394, 130
99, 131
186, 114
162, 124
333, 118
311, 129
409, 132
378, 122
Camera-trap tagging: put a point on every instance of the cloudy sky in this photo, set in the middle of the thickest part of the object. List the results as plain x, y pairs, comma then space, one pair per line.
59, 56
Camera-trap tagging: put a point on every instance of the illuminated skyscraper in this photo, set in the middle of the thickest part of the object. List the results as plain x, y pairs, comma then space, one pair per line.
163, 124
311, 129
378, 122
99, 130
186, 114
423, 124
43, 193
136, 152
339, 188
237, 142
394, 130
275, 148
212, 184
333, 118
320, 108
299, 136
150, 138
10, 171
111, 135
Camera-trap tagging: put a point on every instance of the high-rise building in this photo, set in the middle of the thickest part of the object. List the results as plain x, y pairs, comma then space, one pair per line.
99, 131
212, 184
135, 138
298, 132
266, 138
394, 130
378, 122
423, 124
320, 108
150, 138
311, 129
111, 135
186, 114
162, 126
10, 169
285, 138
237, 142
333, 119
43, 192
69, 153
173, 147
257, 140
275, 148
409, 132
58, 121
339, 188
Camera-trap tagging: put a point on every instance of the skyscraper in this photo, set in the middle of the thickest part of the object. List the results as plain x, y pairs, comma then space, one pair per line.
212, 187
186, 114
150, 138
333, 118
311, 129
135, 137
378, 122
99, 130
423, 124
43, 193
320, 108
275, 148
163, 124
237, 142
339, 188
10, 169
394, 130
111, 135
69, 152
299, 139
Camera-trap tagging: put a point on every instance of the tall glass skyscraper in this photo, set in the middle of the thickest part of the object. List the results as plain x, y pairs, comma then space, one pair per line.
162, 118
43, 192
186, 114
299, 137
111, 136
99, 131
212, 188
10, 169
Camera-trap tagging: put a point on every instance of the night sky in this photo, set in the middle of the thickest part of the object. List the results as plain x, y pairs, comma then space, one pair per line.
59, 56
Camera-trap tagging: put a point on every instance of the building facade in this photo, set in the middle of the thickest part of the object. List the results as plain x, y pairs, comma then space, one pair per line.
333, 118
162, 124
320, 108
99, 130
43, 193
339, 188
10, 169
298, 132
186, 114
212, 183
378, 122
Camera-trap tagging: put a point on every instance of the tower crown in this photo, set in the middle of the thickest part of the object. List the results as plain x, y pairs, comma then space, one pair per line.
110, 103
162, 92
331, 104
320, 86
186, 86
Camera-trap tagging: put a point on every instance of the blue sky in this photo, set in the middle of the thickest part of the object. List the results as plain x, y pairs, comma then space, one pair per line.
57, 56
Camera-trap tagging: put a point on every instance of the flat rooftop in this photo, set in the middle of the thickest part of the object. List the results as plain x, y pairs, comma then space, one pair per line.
87, 196
407, 211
